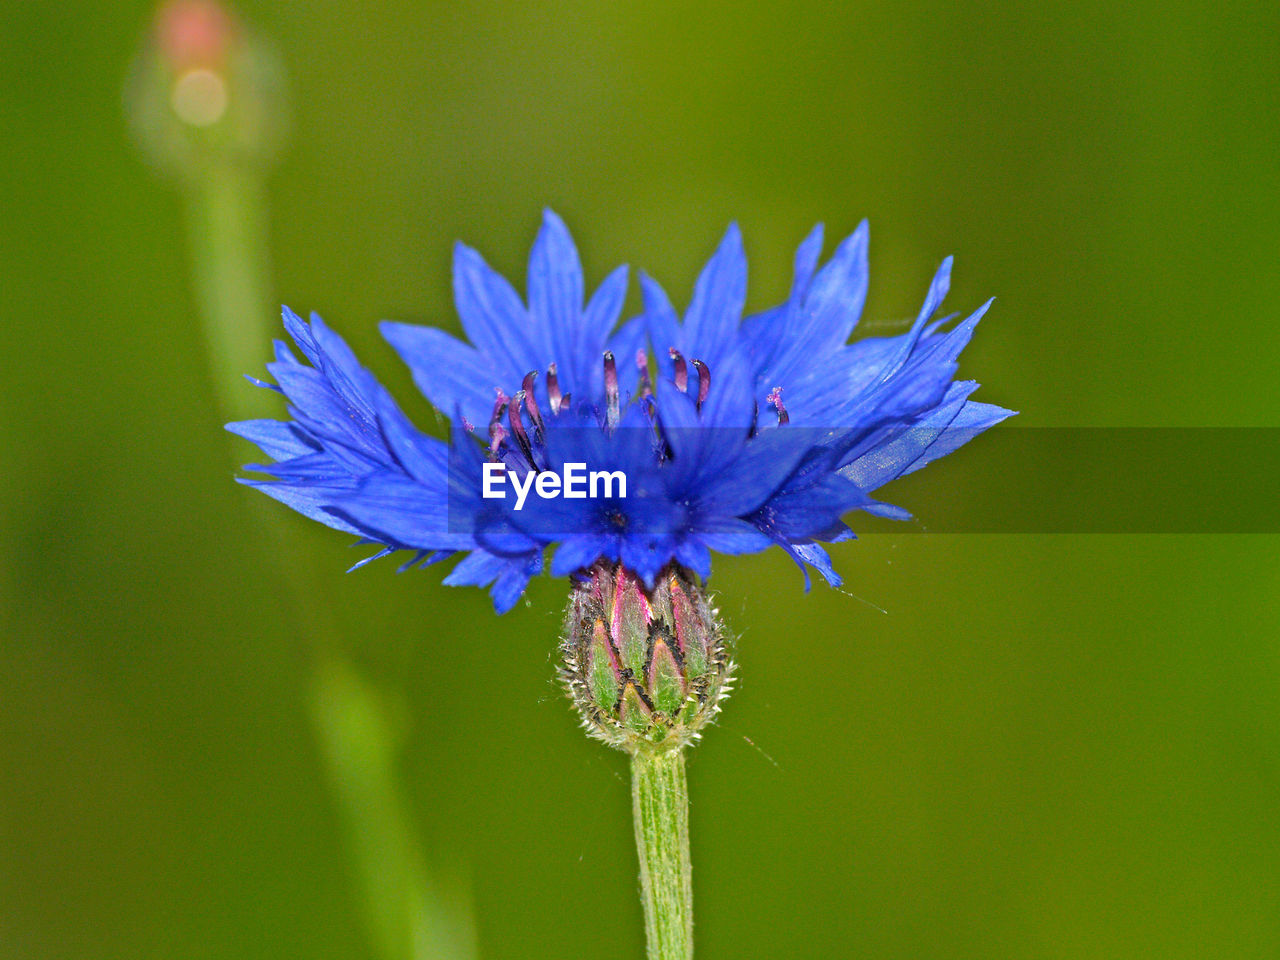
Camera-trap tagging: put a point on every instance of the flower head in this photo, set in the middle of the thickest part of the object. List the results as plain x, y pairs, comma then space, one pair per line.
731, 434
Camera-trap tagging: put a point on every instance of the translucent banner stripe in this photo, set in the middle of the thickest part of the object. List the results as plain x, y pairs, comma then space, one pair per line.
1137, 480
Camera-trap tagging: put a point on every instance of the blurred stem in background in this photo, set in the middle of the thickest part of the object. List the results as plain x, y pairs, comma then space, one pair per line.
206, 99
409, 914
227, 231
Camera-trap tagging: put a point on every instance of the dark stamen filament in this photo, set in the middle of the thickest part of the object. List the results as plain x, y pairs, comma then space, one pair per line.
704, 381
532, 404
517, 426
496, 433
682, 371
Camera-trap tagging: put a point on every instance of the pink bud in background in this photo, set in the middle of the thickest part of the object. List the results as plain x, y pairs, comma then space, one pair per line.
205, 90
195, 33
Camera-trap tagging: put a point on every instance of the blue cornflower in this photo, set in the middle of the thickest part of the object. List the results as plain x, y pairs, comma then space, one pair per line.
734, 435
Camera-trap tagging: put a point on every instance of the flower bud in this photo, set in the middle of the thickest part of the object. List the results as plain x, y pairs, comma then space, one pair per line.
206, 90
647, 669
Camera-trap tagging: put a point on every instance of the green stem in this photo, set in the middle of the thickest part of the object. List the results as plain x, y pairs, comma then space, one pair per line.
660, 804
226, 217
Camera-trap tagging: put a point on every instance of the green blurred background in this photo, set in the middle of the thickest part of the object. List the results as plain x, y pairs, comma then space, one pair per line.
1045, 746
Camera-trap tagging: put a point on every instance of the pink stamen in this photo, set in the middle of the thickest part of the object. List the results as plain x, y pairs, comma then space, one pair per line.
681, 372
613, 414
775, 398
642, 364
535, 415
704, 381
517, 425
553, 390
496, 434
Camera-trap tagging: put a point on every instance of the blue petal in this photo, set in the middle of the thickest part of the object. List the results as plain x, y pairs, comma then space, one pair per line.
301, 335
907, 343
310, 500
601, 315
384, 552
395, 509
661, 320
806, 261
906, 449
511, 582
422, 457
765, 331
448, 372
493, 317
695, 556
937, 289
817, 558
555, 296
948, 346
577, 553
763, 465
476, 569
278, 439
732, 536
718, 298
972, 420
830, 310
